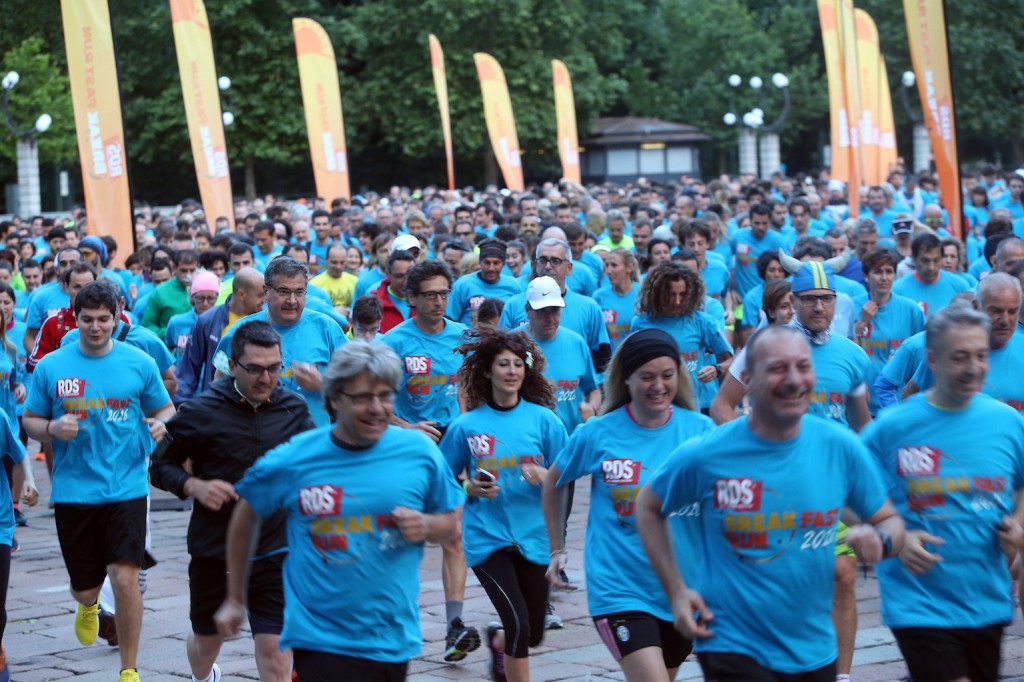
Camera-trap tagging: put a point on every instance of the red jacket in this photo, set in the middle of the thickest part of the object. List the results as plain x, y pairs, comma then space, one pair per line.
392, 315
54, 329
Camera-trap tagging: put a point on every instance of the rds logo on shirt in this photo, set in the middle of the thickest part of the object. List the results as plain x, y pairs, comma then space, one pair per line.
481, 445
70, 388
918, 461
620, 472
417, 364
320, 500
738, 494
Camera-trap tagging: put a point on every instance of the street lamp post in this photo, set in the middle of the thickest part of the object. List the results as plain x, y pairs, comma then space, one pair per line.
28, 151
764, 153
228, 116
922, 145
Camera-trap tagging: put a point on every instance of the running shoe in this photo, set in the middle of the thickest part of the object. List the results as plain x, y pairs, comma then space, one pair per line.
108, 627
87, 625
129, 675
214, 675
497, 655
15, 545
461, 640
19, 518
551, 619
5, 671
40, 456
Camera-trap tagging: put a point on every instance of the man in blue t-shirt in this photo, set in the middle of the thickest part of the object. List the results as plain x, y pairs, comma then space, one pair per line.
948, 598
471, 290
749, 243
879, 211
929, 285
769, 490
361, 497
100, 402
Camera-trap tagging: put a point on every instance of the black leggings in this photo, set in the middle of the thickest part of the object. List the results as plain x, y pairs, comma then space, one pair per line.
317, 666
519, 591
5, 579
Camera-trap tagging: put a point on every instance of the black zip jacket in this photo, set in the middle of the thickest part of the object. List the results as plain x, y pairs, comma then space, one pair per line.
224, 435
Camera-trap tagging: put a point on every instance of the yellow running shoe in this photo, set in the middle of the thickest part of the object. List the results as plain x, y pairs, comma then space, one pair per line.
129, 675
87, 623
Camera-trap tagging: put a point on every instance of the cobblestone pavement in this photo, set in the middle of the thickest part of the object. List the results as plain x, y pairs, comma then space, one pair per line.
41, 644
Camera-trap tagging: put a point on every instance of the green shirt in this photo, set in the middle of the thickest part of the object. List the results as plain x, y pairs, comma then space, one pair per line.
166, 301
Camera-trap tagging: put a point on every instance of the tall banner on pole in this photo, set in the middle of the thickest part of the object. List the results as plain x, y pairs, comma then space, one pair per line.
501, 124
851, 78
839, 118
887, 155
441, 86
321, 99
870, 83
929, 50
565, 115
202, 107
96, 97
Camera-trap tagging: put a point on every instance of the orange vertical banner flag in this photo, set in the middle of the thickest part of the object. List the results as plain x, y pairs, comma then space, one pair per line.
565, 116
851, 78
870, 83
887, 155
194, 46
501, 124
321, 100
96, 97
441, 86
929, 51
839, 120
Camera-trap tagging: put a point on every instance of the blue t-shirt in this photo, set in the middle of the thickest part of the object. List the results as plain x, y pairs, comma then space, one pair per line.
580, 314
570, 371
716, 278
15, 451
904, 362
429, 388
884, 220
313, 339
954, 482
470, 291
318, 257
897, 320
351, 580
16, 335
262, 259
707, 390
10, 373
747, 248
621, 456
582, 279
46, 300
840, 370
695, 334
110, 394
179, 328
618, 310
931, 297
768, 513
501, 442
752, 306
367, 282
1006, 372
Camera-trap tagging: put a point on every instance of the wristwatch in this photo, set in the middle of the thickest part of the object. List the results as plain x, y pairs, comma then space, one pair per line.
721, 372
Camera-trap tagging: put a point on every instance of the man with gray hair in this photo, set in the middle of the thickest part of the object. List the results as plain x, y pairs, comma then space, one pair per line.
615, 235
361, 497
1008, 253
553, 258
308, 338
948, 597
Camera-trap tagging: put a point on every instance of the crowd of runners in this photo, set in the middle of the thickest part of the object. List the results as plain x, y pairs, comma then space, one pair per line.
763, 392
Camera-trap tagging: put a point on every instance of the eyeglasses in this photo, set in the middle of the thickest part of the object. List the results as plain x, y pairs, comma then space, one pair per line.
385, 397
553, 262
288, 293
463, 234
810, 300
204, 299
256, 371
367, 330
435, 295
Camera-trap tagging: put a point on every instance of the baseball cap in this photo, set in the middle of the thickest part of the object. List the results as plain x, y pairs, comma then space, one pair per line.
405, 242
903, 226
204, 281
543, 292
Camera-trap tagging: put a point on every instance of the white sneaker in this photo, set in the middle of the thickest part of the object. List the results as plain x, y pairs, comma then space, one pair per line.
214, 675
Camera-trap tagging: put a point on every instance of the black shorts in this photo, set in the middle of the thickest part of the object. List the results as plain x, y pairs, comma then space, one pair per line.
629, 631
93, 536
951, 653
207, 585
725, 667
317, 666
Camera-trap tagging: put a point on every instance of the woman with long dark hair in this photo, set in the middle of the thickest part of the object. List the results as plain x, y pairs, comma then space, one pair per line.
504, 444
649, 409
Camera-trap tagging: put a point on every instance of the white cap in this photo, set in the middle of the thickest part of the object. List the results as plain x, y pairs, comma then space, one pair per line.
543, 292
405, 242
836, 185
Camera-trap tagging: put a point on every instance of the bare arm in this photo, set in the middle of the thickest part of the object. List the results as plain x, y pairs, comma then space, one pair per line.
553, 500
857, 413
170, 381
242, 536
729, 395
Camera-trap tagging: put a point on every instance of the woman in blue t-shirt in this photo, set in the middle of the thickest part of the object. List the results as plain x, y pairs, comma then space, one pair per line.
649, 409
504, 444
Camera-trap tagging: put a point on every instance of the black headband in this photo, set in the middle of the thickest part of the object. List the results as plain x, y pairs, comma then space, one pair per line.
641, 347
